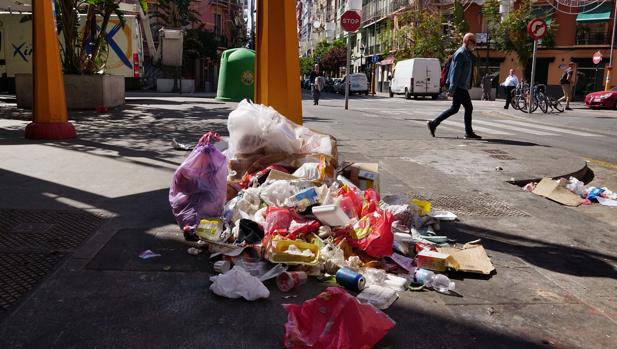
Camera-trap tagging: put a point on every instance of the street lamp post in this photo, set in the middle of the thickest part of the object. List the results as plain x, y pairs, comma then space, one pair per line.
610, 61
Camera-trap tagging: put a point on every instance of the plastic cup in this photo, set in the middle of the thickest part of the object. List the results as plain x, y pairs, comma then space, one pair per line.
289, 280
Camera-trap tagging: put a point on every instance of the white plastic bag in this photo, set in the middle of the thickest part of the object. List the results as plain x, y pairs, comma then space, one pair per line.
275, 193
238, 283
255, 128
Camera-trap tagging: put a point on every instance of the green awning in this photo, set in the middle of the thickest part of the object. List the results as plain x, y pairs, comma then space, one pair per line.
598, 14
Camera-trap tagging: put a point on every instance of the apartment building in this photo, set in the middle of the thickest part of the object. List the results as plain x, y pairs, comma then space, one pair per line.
581, 31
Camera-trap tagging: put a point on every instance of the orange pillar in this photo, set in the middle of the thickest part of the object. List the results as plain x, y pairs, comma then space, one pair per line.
277, 73
49, 101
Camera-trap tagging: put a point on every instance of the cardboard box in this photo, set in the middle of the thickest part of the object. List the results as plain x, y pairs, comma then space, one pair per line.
472, 258
364, 175
551, 189
435, 261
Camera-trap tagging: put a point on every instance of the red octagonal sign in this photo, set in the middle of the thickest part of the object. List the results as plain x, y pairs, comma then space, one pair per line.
350, 21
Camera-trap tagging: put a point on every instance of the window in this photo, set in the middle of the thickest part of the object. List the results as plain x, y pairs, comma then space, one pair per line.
218, 24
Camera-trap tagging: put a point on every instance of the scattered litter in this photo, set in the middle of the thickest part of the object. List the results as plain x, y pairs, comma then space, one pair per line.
221, 267
180, 146
277, 205
167, 268
194, 251
334, 320
238, 283
443, 215
572, 192
498, 168
147, 254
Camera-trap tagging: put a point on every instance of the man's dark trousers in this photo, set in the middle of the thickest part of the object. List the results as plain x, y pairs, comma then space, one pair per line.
461, 96
509, 90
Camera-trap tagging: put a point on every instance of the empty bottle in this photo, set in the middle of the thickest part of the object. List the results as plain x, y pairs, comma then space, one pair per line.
437, 282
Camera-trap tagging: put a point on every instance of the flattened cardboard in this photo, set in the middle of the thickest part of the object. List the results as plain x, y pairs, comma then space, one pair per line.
470, 258
551, 189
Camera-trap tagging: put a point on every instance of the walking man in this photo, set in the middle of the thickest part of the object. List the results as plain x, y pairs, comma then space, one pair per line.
315, 84
459, 80
509, 84
487, 82
566, 82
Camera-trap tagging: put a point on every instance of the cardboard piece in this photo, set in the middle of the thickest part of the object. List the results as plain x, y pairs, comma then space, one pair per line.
436, 261
472, 258
364, 175
551, 189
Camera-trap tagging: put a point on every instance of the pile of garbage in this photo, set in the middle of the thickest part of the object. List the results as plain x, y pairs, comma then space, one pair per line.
572, 192
277, 205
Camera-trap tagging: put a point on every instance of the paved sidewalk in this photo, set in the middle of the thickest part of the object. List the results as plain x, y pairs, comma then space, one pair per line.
106, 192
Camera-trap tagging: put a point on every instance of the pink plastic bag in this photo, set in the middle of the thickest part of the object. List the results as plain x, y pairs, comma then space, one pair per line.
334, 320
199, 186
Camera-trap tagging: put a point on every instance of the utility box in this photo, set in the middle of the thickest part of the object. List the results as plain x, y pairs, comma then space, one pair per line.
171, 43
236, 75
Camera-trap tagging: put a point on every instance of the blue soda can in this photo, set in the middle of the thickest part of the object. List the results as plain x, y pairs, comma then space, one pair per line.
350, 279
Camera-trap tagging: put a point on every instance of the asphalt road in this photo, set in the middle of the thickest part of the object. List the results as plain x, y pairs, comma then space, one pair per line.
583, 132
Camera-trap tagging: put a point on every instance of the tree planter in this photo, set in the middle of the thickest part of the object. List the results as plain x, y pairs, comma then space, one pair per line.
82, 91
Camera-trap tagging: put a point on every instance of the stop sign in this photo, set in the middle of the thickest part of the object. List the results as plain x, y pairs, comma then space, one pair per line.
597, 57
350, 21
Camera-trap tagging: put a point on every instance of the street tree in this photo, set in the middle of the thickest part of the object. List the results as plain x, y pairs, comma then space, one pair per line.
458, 26
306, 65
419, 35
512, 33
333, 60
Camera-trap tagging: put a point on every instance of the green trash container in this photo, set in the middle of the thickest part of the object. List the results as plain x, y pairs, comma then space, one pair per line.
237, 75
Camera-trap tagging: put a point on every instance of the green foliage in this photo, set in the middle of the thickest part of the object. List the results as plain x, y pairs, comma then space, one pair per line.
490, 11
325, 46
385, 36
332, 60
512, 33
85, 51
306, 65
459, 24
420, 35
175, 14
144, 5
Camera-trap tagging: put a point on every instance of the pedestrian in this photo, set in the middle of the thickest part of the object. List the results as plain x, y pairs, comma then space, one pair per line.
459, 82
566, 81
314, 87
509, 85
487, 82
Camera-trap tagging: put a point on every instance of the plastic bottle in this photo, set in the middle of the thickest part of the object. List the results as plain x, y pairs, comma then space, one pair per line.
437, 282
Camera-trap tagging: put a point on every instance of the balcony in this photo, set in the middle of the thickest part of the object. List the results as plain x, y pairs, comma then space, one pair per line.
376, 10
587, 37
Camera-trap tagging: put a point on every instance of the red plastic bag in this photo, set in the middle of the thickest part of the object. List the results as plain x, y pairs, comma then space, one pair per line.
373, 234
351, 202
334, 320
288, 223
371, 202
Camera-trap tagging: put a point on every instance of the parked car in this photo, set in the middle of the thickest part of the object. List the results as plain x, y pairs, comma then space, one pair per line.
331, 85
602, 99
416, 77
359, 84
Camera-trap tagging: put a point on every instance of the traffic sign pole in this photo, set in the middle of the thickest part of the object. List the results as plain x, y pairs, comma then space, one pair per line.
350, 22
347, 71
533, 74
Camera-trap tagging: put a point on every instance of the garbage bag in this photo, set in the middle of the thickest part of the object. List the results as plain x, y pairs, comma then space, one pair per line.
199, 186
237, 283
259, 137
334, 320
373, 234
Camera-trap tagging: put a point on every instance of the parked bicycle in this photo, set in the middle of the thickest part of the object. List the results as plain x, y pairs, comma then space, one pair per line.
527, 102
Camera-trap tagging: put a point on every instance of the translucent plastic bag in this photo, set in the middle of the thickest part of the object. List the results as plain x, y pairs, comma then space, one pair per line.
199, 186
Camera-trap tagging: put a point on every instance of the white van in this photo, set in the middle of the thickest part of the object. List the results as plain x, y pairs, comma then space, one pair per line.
359, 84
416, 77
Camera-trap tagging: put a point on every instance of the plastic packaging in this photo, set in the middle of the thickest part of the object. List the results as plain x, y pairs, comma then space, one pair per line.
199, 186
210, 229
250, 231
381, 297
437, 282
276, 193
277, 252
288, 281
373, 234
238, 283
332, 215
334, 320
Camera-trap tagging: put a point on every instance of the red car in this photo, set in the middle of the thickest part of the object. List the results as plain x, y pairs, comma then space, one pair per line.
602, 99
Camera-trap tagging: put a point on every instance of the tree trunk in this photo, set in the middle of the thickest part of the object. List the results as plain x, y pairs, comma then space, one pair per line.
99, 39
